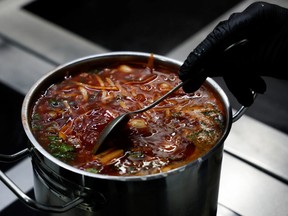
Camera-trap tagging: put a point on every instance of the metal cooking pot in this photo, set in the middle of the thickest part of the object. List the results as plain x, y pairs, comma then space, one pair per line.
61, 189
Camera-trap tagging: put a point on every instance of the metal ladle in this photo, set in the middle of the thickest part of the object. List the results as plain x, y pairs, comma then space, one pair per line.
124, 118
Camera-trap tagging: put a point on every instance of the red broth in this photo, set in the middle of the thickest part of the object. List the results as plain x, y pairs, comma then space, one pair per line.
69, 116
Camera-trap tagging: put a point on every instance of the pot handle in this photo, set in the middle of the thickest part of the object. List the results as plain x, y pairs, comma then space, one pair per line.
238, 114
26, 199
14, 157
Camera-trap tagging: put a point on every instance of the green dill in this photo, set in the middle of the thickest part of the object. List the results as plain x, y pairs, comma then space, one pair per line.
138, 155
92, 170
176, 114
193, 136
36, 126
215, 115
60, 149
54, 103
201, 137
36, 116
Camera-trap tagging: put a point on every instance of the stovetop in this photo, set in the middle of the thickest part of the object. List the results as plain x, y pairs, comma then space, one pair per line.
36, 36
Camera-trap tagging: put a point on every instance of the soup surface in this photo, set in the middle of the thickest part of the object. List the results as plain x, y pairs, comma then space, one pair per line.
69, 116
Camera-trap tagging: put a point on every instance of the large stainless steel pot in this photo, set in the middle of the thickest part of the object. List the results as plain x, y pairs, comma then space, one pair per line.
63, 190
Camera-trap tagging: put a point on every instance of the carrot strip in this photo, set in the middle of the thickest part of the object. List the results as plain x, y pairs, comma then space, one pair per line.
110, 155
150, 63
101, 82
66, 129
110, 81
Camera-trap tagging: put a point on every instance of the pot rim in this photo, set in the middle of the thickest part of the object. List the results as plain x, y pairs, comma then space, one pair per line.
39, 148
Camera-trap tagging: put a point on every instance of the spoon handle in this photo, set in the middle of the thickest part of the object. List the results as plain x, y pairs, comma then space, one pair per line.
161, 98
124, 118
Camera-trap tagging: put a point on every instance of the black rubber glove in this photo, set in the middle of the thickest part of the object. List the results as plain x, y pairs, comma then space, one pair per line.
265, 27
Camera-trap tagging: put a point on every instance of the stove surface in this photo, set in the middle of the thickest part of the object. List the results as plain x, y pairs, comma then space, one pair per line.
150, 26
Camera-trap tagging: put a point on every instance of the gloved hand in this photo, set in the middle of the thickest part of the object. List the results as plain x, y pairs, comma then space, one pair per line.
265, 27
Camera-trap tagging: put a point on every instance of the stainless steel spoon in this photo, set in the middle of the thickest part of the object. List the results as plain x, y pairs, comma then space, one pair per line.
124, 118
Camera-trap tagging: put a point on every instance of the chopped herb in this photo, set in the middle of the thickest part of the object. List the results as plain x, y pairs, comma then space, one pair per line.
54, 138
36, 116
92, 170
67, 156
197, 137
215, 115
176, 114
193, 136
60, 149
54, 103
36, 126
210, 112
136, 155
